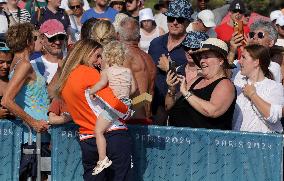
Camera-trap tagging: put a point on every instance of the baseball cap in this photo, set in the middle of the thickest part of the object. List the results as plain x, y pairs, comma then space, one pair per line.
3, 46
275, 14
280, 20
207, 17
51, 28
237, 5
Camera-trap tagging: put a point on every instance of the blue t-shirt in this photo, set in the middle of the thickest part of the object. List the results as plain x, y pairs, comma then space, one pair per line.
158, 46
109, 14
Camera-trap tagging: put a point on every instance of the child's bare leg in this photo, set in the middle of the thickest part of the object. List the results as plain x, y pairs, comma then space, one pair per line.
101, 126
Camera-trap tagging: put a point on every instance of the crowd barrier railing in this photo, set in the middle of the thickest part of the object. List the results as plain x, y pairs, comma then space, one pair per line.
160, 153
168, 153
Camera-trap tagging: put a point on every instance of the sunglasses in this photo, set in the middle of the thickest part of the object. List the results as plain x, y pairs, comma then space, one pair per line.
237, 11
56, 38
180, 20
75, 7
129, 1
260, 35
118, 3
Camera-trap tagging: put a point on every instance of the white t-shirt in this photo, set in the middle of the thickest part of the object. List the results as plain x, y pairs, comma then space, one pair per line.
3, 23
161, 21
49, 69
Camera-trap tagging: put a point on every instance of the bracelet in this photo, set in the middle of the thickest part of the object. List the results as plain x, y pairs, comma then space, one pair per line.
188, 95
171, 93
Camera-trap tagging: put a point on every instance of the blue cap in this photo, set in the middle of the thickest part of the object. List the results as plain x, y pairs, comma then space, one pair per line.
4, 47
194, 38
180, 8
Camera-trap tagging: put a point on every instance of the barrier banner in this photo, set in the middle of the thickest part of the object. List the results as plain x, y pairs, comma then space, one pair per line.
66, 153
181, 154
10, 152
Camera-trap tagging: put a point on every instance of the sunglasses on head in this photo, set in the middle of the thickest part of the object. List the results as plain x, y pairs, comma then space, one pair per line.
56, 38
75, 7
4, 47
180, 20
260, 35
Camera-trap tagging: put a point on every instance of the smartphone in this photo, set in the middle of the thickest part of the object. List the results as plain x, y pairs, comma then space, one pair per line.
173, 67
239, 27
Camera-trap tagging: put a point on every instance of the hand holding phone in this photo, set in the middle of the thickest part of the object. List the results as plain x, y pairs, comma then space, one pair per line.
172, 66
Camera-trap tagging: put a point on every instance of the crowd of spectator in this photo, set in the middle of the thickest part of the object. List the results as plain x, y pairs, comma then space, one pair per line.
215, 69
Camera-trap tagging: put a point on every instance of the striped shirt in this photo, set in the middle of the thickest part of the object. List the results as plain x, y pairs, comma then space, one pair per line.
21, 16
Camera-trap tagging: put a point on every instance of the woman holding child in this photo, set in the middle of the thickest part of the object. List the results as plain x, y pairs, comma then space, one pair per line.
80, 73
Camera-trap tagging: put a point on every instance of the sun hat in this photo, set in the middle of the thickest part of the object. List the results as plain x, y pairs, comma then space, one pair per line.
193, 39
215, 45
180, 8
146, 14
280, 20
237, 5
51, 28
207, 17
275, 14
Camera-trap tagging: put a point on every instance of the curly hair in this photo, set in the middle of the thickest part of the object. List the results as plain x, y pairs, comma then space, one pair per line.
103, 32
19, 36
114, 53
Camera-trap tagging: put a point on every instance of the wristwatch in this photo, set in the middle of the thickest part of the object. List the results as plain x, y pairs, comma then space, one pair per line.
171, 93
188, 95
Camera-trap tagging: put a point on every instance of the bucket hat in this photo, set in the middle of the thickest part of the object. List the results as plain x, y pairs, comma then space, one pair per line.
146, 14
180, 8
193, 39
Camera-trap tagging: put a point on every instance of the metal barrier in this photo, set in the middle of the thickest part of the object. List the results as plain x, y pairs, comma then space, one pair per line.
160, 153
168, 153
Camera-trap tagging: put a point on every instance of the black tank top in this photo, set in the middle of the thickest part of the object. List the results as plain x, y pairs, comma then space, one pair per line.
184, 115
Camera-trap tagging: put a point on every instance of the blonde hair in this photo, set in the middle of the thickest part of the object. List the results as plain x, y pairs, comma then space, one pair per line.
79, 55
103, 32
114, 53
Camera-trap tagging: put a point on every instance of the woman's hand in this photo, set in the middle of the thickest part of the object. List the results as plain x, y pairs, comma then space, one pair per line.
236, 41
249, 90
163, 63
4, 113
183, 86
40, 126
172, 80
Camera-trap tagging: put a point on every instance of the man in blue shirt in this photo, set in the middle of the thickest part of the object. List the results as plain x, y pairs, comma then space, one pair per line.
100, 11
178, 17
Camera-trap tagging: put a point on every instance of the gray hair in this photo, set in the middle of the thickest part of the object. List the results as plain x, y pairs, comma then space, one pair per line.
80, 1
129, 30
266, 26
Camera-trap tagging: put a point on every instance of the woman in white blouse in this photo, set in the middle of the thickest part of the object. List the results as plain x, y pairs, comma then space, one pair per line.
257, 91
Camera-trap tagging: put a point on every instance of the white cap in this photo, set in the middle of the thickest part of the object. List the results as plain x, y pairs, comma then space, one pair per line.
280, 20
3, 1
146, 14
275, 14
207, 17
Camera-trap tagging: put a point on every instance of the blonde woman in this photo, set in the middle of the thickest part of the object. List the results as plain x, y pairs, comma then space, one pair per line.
121, 81
103, 32
80, 72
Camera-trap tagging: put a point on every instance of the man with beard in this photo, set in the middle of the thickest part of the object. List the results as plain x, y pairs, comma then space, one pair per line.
53, 37
101, 10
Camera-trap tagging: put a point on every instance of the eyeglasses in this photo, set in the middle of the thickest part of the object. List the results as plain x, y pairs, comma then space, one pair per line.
260, 35
56, 38
75, 7
180, 20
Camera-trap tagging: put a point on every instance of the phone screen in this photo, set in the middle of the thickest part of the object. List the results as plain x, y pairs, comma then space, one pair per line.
173, 66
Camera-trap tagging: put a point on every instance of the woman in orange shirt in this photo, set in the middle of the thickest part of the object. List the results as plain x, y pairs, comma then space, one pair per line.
79, 73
